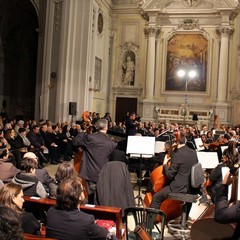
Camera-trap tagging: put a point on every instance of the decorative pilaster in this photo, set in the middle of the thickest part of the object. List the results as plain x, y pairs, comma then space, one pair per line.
150, 32
224, 33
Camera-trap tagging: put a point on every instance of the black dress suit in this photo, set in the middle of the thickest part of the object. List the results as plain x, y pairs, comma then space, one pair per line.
130, 127
97, 150
177, 174
72, 225
226, 214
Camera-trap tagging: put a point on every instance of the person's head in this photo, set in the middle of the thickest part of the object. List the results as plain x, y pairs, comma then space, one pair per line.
132, 115
70, 194
4, 153
10, 133
167, 145
65, 171
29, 165
22, 131
44, 127
36, 129
102, 125
10, 224
11, 195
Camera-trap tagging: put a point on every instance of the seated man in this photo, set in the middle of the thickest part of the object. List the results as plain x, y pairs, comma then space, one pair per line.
41, 173
28, 179
182, 160
66, 221
7, 169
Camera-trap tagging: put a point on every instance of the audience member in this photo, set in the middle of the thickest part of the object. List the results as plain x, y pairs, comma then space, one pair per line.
7, 169
10, 225
28, 179
64, 172
11, 195
41, 173
66, 221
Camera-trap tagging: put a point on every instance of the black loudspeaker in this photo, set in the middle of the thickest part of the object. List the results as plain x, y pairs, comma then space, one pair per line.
195, 117
72, 108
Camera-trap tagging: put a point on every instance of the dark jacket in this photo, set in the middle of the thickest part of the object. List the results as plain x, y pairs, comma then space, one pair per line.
114, 186
44, 178
226, 214
97, 150
72, 225
30, 224
180, 169
35, 139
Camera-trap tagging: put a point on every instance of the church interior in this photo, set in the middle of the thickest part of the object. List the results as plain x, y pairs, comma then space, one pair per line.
173, 63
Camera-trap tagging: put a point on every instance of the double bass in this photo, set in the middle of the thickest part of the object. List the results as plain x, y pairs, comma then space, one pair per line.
172, 208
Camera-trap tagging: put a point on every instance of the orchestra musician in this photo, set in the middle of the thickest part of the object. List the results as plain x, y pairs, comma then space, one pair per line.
229, 159
177, 174
97, 149
225, 213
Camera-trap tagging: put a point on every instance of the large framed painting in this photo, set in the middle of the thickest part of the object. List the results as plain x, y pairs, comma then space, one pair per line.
187, 61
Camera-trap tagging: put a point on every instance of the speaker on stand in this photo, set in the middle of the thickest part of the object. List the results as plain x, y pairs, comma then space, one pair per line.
72, 109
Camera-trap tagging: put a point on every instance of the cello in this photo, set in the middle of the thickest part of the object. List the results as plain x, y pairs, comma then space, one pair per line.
172, 208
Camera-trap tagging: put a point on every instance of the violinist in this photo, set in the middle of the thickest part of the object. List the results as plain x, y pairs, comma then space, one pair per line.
229, 159
223, 212
177, 174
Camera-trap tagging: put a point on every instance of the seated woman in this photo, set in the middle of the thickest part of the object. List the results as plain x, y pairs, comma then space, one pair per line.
28, 179
10, 136
11, 196
64, 172
229, 159
223, 212
10, 227
66, 221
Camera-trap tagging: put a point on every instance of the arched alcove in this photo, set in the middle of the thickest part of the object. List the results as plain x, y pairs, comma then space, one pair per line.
19, 43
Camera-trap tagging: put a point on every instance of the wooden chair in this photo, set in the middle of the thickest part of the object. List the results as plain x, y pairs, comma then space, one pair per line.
146, 218
35, 237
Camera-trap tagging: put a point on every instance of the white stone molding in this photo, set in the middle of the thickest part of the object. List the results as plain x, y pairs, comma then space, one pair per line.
225, 31
188, 24
128, 50
191, 3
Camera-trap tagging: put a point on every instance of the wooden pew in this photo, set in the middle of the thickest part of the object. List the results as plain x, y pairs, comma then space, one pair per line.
35, 237
99, 212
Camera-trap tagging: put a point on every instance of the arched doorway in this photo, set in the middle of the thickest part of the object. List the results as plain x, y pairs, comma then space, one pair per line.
18, 57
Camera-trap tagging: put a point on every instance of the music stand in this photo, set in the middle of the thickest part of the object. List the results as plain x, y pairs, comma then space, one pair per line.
140, 147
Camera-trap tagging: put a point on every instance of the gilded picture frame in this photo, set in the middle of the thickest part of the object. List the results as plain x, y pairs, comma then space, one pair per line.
187, 63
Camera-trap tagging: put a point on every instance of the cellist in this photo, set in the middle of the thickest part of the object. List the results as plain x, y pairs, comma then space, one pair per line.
177, 173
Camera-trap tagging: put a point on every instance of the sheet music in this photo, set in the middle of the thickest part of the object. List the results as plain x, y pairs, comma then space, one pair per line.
141, 146
159, 146
199, 144
209, 160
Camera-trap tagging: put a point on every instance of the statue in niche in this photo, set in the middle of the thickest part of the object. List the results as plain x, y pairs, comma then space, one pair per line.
128, 68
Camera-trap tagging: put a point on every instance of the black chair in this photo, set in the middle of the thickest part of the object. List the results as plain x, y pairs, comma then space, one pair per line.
179, 227
146, 218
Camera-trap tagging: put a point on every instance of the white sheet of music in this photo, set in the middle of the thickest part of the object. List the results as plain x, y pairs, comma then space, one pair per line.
209, 160
140, 146
199, 144
159, 146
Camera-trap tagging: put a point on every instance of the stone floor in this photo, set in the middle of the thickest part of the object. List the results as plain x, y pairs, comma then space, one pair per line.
195, 211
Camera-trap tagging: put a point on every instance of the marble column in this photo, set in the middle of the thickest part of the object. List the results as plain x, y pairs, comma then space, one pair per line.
225, 33
150, 32
158, 69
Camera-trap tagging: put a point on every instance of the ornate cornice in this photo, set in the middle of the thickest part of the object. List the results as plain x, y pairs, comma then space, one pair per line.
225, 31
151, 31
188, 24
